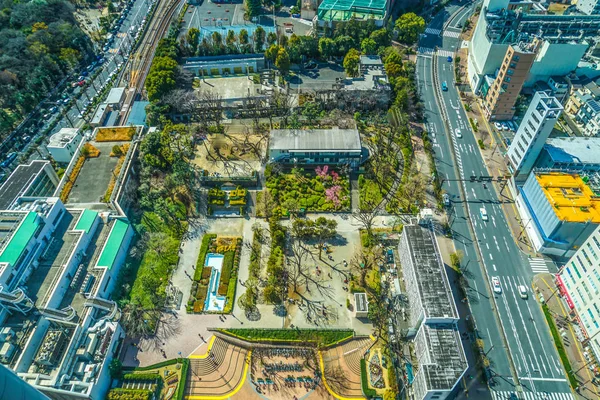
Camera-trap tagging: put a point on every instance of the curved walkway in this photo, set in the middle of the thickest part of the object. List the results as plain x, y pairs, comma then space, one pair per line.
341, 368
218, 374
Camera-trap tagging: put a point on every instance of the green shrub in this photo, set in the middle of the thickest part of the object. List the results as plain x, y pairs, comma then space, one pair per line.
206, 272
214, 71
323, 337
237, 70
206, 239
179, 395
227, 266
129, 394
142, 377
198, 306
364, 379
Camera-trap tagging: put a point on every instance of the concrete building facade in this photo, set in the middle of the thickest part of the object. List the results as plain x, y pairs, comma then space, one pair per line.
502, 96
536, 126
579, 284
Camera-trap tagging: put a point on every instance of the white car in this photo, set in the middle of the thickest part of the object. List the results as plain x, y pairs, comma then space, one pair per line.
483, 213
458, 133
496, 285
498, 125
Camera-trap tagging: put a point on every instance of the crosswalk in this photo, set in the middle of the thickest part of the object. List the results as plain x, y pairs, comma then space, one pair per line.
538, 265
532, 396
431, 31
445, 53
452, 34
429, 51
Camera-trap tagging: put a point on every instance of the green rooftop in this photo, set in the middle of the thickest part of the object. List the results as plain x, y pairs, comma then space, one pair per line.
20, 239
113, 244
86, 220
344, 10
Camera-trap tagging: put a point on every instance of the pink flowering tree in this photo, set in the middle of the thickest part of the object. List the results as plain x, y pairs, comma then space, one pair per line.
333, 194
322, 172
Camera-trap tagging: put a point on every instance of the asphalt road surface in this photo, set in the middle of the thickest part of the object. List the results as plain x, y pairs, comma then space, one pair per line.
536, 362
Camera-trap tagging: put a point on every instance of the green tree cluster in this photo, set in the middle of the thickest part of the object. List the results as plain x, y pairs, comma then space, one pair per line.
40, 43
409, 26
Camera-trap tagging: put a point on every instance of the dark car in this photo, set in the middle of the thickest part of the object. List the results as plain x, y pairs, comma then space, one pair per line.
389, 256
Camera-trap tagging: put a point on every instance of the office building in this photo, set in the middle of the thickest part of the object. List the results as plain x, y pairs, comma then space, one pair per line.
535, 128
502, 96
36, 179
570, 154
314, 147
433, 316
589, 7
579, 283
63, 144
563, 41
559, 210
560, 88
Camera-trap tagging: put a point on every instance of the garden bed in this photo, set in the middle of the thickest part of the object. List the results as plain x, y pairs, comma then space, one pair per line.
323, 190
230, 248
118, 134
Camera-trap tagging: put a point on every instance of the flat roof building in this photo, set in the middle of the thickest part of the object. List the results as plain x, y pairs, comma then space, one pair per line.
63, 144
36, 179
316, 147
570, 154
115, 98
439, 352
559, 210
334, 11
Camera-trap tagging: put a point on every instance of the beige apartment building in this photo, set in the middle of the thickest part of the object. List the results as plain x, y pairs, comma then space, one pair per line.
502, 96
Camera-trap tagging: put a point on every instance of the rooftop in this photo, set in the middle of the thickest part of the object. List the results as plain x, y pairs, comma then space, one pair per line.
17, 242
315, 139
113, 244
432, 281
19, 181
86, 220
446, 360
362, 304
99, 114
572, 199
574, 150
63, 137
115, 95
137, 115
343, 10
371, 60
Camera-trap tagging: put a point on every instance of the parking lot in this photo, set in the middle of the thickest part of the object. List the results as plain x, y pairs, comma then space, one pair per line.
323, 75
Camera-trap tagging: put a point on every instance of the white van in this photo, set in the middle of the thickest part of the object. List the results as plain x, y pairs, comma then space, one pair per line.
523, 292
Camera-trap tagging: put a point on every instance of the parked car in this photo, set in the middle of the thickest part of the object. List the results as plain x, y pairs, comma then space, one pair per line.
444, 86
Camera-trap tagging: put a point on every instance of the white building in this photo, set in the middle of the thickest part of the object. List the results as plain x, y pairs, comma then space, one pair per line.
63, 144
115, 98
537, 124
589, 7
563, 41
579, 283
433, 316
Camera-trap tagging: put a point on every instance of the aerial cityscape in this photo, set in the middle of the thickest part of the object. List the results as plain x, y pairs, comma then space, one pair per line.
311, 199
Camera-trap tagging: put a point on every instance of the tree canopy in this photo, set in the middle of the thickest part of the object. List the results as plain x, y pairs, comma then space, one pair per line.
409, 27
351, 62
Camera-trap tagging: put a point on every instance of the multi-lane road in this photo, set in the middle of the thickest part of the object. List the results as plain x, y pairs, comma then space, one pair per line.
522, 355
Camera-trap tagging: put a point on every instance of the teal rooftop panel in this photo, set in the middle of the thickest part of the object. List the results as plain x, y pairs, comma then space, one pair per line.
113, 244
86, 220
20, 239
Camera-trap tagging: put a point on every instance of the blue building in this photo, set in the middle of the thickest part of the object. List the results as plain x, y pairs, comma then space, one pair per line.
571, 154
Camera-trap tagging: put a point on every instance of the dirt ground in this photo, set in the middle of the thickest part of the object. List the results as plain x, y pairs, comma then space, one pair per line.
226, 155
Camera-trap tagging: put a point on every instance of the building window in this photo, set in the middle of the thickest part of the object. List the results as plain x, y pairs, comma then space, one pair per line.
513, 65
576, 269
581, 296
516, 58
521, 146
596, 242
587, 290
581, 265
510, 72
507, 79
594, 286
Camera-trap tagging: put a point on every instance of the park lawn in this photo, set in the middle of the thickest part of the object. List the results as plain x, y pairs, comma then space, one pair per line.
322, 337
308, 191
369, 193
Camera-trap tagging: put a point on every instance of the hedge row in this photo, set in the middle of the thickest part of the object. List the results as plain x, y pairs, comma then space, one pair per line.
129, 394
142, 377
206, 239
364, 380
181, 386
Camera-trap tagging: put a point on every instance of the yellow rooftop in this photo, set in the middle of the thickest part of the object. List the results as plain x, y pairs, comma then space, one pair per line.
571, 197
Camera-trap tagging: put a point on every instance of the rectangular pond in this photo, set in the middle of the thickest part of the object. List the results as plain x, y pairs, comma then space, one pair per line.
214, 302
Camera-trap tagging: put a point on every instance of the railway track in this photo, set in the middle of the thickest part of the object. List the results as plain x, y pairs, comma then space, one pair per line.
141, 61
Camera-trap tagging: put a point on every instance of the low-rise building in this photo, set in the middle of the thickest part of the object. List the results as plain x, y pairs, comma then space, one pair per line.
361, 305
225, 65
440, 357
63, 144
559, 210
570, 154
560, 88
314, 147
115, 98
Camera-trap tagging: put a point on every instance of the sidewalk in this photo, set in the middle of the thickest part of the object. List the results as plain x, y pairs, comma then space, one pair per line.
544, 284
